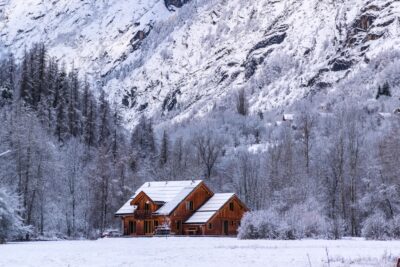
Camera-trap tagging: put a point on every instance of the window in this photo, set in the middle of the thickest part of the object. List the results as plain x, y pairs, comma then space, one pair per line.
178, 225
231, 206
148, 227
146, 206
132, 227
155, 224
232, 223
209, 226
189, 205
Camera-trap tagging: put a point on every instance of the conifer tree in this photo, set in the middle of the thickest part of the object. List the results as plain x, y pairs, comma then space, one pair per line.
384, 90
85, 98
60, 103
73, 107
104, 121
61, 127
164, 150
90, 125
25, 84
242, 104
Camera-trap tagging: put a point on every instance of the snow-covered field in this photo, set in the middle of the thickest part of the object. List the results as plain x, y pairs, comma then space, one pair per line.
185, 251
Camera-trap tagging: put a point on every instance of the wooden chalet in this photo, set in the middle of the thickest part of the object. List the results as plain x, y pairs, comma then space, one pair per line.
185, 207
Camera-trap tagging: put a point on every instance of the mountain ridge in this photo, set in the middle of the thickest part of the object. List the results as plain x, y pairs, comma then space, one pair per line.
171, 61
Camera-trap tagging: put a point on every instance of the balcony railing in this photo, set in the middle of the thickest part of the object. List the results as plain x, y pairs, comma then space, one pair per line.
142, 214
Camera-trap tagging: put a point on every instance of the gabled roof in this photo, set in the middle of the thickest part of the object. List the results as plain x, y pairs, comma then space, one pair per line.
126, 209
165, 191
201, 217
171, 205
169, 192
139, 196
210, 208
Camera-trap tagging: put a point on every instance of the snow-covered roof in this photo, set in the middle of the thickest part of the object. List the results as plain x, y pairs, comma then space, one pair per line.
288, 117
201, 217
170, 192
214, 204
385, 115
166, 191
126, 208
171, 205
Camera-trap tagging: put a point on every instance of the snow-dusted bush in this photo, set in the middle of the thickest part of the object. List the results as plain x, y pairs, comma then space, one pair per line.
395, 227
376, 226
306, 220
336, 228
11, 225
259, 225
301, 221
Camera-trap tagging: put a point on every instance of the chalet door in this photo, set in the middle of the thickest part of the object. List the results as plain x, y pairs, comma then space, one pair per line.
131, 228
179, 227
148, 227
225, 227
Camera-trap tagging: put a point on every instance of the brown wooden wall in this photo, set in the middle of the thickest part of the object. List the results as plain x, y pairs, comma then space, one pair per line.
126, 221
140, 201
225, 214
140, 215
140, 224
199, 196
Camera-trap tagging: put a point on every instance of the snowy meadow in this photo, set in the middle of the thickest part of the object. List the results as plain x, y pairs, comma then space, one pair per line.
201, 251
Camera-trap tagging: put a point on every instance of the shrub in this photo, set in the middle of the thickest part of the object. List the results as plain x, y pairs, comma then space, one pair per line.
258, 225
376, 226
301, 221
395, 227
11, 225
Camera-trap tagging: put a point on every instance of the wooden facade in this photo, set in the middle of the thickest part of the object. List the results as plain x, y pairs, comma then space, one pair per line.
141, 222
144, 219
226, 221
184, 210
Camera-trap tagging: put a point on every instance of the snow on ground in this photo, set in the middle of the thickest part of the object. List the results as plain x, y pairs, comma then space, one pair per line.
199, 251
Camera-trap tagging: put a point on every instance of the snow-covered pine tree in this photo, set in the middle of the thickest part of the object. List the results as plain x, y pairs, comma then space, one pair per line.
164, 148
74, 113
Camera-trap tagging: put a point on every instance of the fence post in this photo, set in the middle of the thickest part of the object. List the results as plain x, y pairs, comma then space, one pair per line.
398, 262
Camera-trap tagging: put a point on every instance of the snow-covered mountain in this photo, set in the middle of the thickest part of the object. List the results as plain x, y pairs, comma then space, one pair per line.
177, 59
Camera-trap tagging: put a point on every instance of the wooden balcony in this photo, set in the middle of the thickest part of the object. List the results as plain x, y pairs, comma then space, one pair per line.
142, 214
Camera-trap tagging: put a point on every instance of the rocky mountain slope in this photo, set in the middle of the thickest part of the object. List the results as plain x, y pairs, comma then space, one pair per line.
174, 61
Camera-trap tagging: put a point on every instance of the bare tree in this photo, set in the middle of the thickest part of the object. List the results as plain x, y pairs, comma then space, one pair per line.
209, 148
354, 144
250, 185
335, 182
306, 126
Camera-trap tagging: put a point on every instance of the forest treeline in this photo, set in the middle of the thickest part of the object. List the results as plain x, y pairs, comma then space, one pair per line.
69, 165
325, 171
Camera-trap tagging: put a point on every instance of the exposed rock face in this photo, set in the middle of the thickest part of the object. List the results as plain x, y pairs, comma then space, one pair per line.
176, 3
340, 64
364, 22
164, 63
171, 101
276, 39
